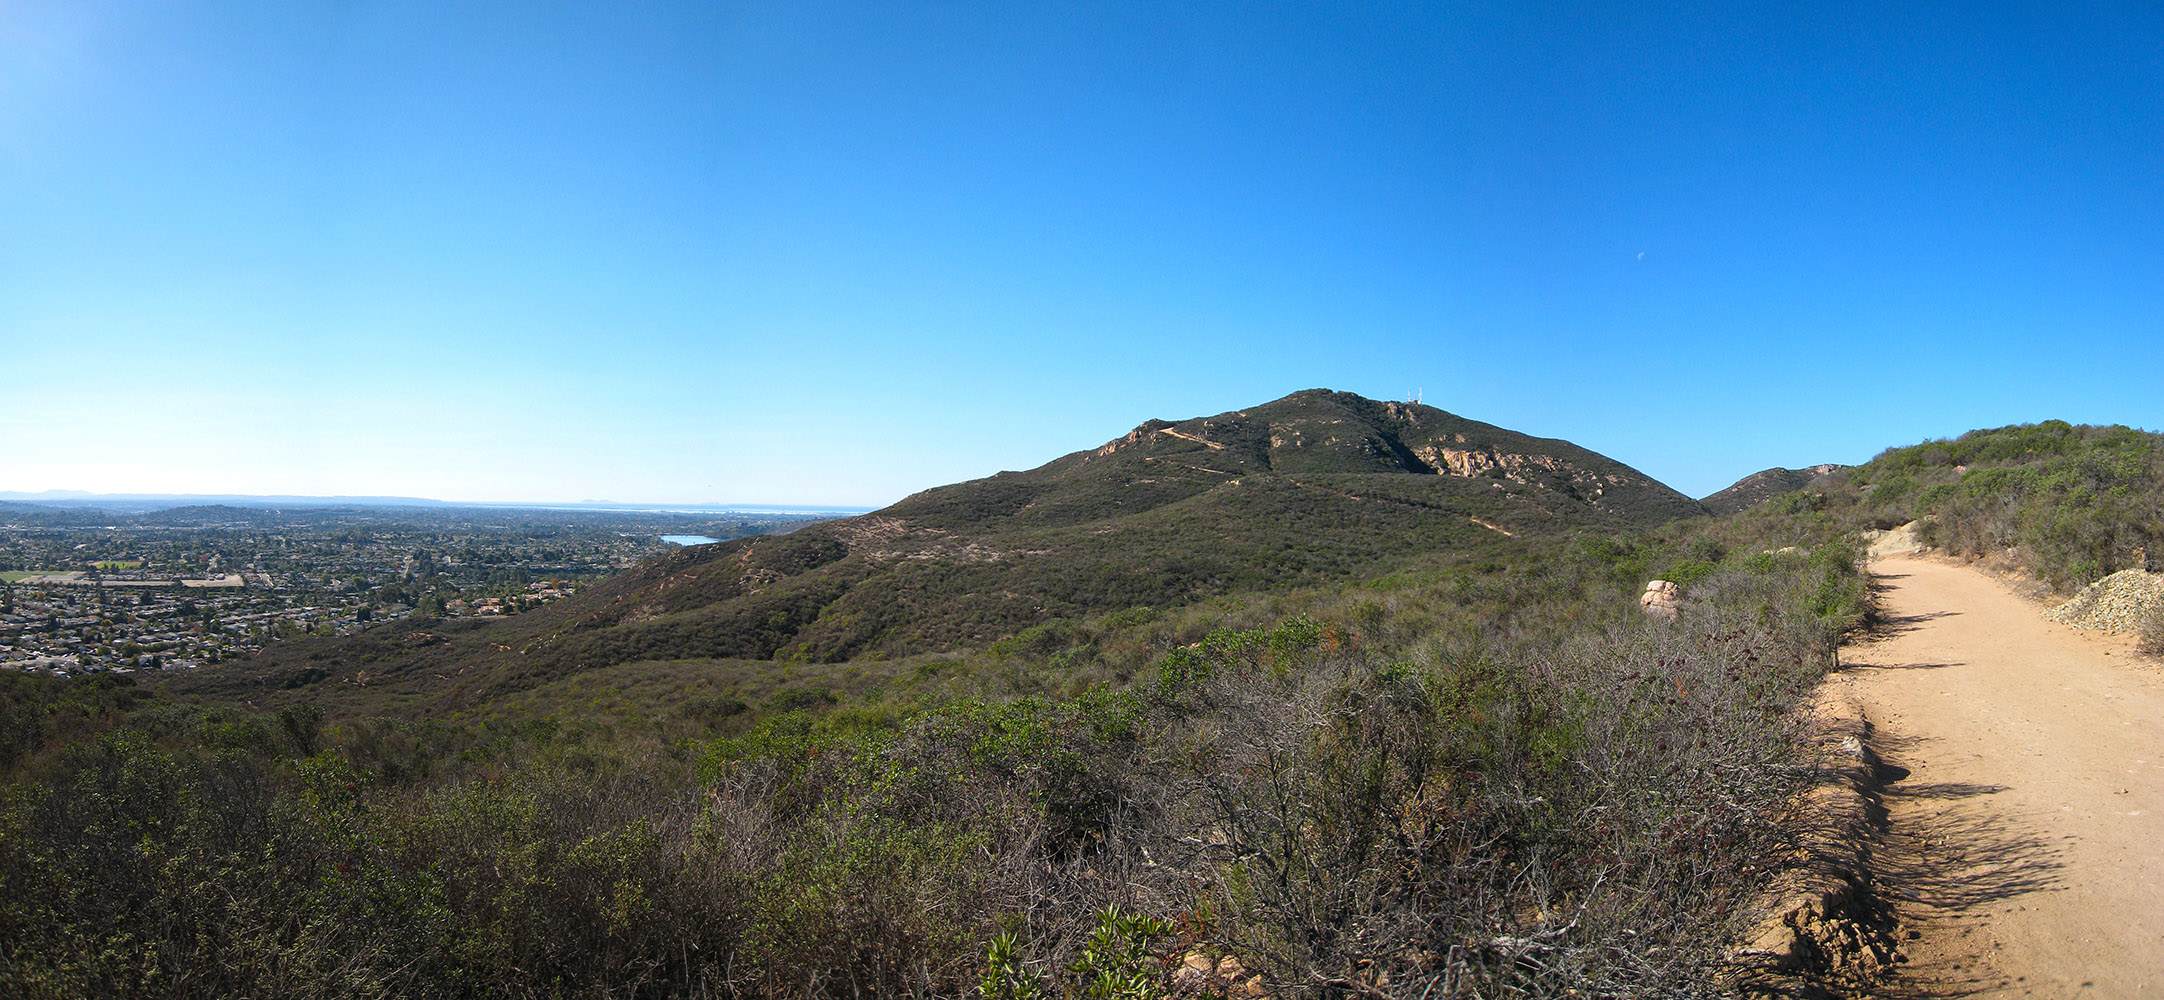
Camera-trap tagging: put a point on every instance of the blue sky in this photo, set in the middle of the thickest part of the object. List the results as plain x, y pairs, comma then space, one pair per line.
811, 253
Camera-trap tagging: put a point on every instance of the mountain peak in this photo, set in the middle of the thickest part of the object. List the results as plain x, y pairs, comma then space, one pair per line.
1321, 431
1318, 487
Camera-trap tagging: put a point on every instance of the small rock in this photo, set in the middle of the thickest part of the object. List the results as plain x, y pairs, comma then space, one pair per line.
1194, 971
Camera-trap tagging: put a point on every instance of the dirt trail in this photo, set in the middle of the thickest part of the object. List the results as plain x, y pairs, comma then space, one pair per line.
2025, 844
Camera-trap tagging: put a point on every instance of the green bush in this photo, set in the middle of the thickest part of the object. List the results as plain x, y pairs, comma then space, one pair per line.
2151, 640
2070, 504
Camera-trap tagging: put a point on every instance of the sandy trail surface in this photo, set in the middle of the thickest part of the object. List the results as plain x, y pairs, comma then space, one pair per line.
2024, 847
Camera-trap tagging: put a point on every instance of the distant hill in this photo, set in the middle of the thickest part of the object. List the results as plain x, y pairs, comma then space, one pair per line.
108, 504
136, 503
48, 516
1316, 487
1759, 487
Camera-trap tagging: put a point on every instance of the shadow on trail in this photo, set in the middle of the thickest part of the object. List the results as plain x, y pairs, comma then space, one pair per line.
1858, 651
1944, 790
1893, 625
1848, 664
1960, 855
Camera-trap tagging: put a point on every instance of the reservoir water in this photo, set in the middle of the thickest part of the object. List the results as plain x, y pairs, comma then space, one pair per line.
689, 539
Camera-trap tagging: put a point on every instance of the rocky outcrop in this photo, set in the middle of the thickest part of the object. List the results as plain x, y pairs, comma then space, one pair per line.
1660, 599
1470, 462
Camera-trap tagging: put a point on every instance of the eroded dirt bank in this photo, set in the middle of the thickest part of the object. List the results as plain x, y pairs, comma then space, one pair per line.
2024, 847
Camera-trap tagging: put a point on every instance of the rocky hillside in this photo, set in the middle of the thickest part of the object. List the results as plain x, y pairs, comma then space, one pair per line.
1313, 488
1759, 487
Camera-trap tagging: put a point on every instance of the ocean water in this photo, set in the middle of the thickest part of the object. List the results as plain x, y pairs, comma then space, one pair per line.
689, 539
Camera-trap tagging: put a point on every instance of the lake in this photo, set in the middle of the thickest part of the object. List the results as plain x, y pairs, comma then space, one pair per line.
689, 539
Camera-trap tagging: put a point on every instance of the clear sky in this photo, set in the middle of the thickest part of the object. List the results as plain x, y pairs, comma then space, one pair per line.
810, 253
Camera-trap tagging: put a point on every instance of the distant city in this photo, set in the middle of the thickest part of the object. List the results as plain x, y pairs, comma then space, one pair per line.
93, 583
141, 502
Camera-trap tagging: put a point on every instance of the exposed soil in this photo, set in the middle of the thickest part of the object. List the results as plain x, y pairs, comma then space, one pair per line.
2024, 841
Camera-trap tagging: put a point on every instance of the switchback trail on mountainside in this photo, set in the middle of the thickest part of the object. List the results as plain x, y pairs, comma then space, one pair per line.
2024, 846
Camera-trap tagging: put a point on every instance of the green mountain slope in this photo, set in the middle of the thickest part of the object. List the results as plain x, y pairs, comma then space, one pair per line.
1759, 487
1315, 487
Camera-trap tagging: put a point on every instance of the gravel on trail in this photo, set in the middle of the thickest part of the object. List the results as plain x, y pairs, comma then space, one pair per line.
2122, 602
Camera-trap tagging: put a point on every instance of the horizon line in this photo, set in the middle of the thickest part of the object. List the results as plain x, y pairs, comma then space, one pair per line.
25, 496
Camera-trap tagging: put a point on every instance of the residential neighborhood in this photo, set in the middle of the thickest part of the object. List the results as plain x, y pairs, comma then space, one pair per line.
87, 591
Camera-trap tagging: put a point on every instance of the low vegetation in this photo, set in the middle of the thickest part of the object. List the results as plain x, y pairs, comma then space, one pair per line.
1483, 774
2067, 504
